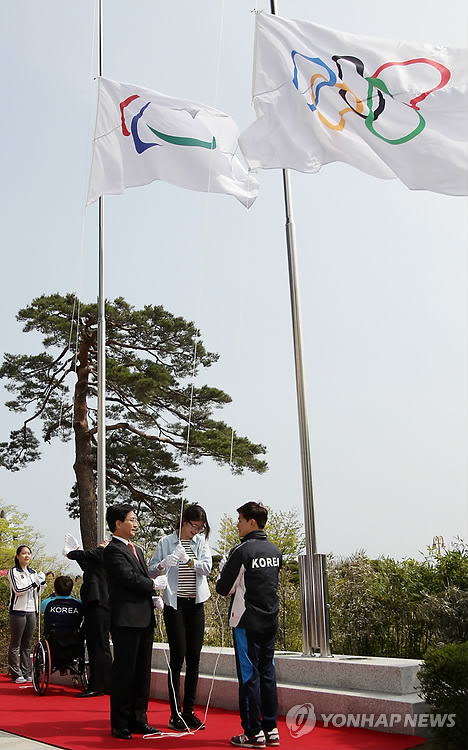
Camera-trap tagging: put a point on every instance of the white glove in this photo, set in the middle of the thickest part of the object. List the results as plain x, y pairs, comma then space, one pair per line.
158, 602
222, 563
181, 554
160, 583
40, 579
70, 544
169, 561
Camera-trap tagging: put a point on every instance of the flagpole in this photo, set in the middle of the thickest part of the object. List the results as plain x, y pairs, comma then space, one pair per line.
101, 367
313, 594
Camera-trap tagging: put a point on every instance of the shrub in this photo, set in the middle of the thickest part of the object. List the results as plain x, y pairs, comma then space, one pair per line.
444, 686
393, 608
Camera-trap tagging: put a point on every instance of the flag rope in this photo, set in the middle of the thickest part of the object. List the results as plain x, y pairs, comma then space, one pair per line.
201, 281
84, 219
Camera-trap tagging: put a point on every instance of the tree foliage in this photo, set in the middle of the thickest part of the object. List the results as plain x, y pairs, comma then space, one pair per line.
15, 530
154, 408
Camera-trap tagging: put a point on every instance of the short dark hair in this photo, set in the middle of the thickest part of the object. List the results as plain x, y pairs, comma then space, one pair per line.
22, 546
195, 512
63, 585
117, 513
257, 511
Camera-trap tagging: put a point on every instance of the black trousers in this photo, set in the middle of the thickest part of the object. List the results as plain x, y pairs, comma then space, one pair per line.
131, 676
185, 627
96, 628
258, 698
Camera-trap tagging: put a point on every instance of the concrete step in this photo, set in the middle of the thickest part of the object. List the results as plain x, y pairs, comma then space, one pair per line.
371, 692
355, 672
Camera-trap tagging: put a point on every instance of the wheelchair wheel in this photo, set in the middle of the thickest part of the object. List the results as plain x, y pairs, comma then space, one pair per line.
83, 672
41, 666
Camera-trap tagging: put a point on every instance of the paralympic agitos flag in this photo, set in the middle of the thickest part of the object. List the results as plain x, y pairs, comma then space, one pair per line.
391, 109
142, 136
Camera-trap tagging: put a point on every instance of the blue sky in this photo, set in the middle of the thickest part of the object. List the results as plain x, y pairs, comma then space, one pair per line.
383, 271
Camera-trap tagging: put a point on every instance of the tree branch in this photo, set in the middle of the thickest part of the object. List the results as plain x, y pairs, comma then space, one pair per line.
140, 433
52, 387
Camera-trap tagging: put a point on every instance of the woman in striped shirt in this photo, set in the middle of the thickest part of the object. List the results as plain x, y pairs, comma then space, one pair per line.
186, 559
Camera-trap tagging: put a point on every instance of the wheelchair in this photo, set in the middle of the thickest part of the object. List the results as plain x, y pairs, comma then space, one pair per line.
60, 651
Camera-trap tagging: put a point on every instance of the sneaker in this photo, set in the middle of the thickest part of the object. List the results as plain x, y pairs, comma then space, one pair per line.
192, 721
272, 737
28, 679
176, 723
20, 680
243, 740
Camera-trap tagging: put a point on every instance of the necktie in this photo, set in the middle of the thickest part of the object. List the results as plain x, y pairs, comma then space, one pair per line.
132, 547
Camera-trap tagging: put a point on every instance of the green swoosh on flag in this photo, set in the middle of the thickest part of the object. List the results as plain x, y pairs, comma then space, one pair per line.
179, 141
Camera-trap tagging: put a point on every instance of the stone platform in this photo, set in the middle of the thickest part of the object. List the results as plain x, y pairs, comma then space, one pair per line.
336, 685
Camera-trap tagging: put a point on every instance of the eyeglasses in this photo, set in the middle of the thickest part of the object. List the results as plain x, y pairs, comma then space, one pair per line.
197, 526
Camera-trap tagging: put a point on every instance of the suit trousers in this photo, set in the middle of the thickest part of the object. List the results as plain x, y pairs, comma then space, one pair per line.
131, 676
96, 629
258, 698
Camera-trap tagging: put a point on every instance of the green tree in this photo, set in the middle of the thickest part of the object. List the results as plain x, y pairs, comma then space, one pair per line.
153, 407
15, 530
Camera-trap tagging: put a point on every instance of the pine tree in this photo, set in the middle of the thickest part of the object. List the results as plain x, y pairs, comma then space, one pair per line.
153, 406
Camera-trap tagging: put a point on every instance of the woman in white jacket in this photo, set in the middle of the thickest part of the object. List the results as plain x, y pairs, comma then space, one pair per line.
186, 558
25, 584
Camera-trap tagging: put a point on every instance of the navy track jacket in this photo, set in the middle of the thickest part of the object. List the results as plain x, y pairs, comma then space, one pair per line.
250, 574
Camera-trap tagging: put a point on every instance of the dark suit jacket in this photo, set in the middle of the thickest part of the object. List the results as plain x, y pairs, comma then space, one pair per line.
94, 589
130, 587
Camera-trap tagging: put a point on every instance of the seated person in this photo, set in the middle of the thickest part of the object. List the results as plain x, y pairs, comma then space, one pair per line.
61, 610
63, 615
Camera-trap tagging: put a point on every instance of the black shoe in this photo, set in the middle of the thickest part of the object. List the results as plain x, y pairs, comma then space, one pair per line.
192, 721
176, 723
121, 734
88, 694
144, 729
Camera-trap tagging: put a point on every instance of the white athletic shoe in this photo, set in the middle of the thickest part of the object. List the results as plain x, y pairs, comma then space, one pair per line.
20, 680
272, 738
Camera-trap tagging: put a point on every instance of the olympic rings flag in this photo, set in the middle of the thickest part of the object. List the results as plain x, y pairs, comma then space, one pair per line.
142, 136
391, 109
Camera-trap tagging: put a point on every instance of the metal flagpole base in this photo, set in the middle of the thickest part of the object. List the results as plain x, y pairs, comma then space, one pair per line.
315, 609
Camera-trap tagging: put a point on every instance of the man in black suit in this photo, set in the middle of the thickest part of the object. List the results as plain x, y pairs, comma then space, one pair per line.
95, 597
132, 625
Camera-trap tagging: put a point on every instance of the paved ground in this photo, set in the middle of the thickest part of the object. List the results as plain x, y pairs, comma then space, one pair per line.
13, 742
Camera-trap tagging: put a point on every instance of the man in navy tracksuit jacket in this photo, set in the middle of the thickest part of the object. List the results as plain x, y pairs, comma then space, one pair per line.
250, 575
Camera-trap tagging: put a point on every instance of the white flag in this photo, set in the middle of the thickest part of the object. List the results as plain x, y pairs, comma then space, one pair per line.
142, 136
391, 109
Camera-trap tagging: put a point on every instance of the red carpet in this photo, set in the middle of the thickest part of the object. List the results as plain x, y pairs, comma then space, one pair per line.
58, 718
